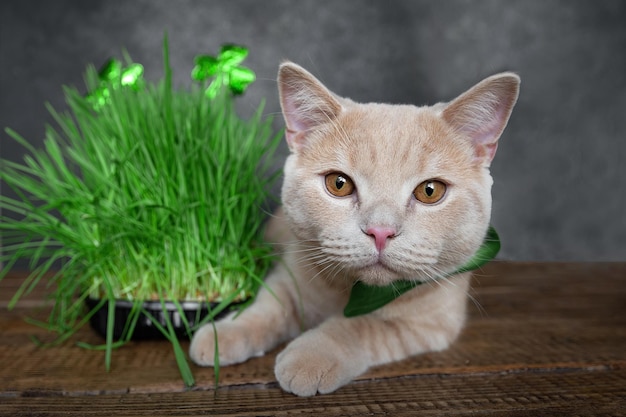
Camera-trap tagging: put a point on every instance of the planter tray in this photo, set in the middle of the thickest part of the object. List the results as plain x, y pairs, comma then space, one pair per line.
145, 329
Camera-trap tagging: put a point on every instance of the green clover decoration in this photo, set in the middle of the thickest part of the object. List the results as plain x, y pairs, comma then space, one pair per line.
112, 76
226, 70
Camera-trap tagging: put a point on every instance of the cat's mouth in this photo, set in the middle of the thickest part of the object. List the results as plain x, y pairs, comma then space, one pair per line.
378, 272
384, 271
380, 264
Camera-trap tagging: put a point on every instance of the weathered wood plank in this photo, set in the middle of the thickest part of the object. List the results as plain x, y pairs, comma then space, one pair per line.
562, 392
542, 339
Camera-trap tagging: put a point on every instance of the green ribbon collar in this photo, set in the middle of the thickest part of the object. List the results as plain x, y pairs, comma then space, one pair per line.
367, 298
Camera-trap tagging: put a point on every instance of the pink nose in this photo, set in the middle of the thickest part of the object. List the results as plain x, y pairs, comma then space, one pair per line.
380, 235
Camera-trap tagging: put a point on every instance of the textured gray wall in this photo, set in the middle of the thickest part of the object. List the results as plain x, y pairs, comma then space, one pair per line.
560, 191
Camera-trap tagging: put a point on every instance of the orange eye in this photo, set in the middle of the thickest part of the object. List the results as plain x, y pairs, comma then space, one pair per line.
339, 185
430, 191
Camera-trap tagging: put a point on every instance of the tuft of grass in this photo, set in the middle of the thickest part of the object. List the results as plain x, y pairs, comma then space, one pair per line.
157, 194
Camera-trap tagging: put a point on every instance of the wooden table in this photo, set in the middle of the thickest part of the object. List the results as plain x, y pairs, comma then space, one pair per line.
542, 340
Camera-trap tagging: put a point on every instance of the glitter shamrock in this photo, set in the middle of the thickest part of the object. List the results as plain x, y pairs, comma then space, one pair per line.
113, 75
226, 70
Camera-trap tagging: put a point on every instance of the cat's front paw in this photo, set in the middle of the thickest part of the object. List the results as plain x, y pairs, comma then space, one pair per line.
234, 345
305, 369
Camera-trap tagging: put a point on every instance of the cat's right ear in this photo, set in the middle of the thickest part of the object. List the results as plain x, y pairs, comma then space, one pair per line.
306, 103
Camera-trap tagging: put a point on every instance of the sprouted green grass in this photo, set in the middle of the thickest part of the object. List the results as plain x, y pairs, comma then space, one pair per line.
159, 194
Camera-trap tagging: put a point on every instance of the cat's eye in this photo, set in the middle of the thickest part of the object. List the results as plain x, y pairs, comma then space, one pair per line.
430, 191
339, 185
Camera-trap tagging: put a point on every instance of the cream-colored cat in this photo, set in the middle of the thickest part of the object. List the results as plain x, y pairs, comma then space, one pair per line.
375, 193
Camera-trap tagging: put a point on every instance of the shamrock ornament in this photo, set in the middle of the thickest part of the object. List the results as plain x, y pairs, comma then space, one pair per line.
112, 76
226, 70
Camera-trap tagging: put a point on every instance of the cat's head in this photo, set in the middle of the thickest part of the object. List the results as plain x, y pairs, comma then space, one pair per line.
382, 192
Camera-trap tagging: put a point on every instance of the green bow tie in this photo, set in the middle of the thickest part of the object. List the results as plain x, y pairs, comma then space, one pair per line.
367, 298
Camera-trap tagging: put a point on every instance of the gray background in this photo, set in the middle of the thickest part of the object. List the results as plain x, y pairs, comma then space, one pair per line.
560, 190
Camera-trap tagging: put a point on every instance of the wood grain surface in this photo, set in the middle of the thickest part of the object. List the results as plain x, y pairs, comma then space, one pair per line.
541, 340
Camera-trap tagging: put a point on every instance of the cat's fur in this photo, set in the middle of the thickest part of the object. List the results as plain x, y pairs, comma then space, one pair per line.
378, 234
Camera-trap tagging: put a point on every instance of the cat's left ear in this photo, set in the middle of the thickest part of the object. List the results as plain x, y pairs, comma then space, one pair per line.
482, 113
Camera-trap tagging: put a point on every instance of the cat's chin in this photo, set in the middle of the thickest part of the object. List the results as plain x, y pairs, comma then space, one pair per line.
377, 274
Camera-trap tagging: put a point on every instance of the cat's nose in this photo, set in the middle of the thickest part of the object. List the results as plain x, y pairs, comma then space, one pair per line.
380, 235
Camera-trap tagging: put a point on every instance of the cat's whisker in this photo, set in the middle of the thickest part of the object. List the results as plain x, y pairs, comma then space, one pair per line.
335, 272
468, 294
314, 257
304, 251
438, 277
315, 265
341, 131
476, 303
312, 262
323, 270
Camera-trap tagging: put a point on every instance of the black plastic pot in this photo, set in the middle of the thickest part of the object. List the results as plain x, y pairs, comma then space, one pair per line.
145, 328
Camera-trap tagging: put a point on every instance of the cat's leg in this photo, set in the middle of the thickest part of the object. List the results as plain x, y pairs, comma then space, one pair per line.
323, 359
272, 319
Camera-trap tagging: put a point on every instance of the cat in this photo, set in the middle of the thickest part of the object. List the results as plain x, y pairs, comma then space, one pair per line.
374, 193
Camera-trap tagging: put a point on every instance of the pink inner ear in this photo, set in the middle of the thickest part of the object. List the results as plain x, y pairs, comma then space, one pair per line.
482, 113
485, 138
298, 123
482, 132
295, 119
486, 152
293, 137
294, 113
